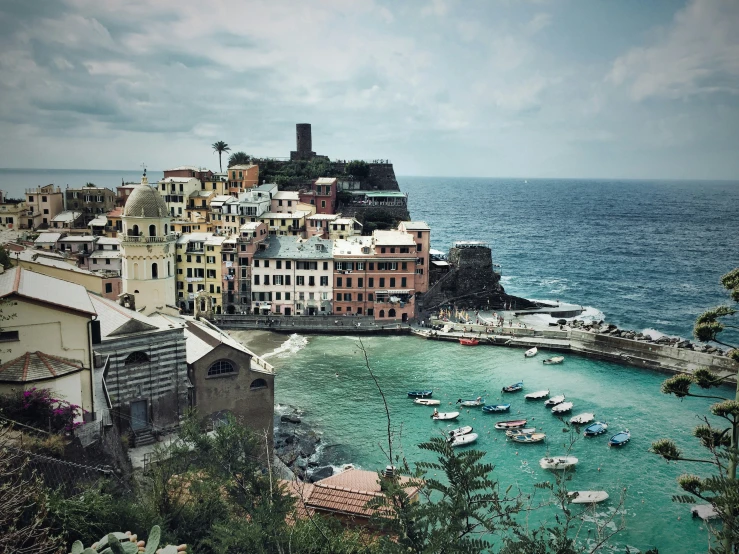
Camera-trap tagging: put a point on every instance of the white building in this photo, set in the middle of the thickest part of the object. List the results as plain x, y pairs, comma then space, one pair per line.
285, 201
106, 255
176, 193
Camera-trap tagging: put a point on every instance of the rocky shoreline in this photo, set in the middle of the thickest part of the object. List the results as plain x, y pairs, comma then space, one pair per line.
297, 444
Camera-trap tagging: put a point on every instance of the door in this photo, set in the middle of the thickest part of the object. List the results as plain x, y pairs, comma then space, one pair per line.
405, 317
139, 415
287, 311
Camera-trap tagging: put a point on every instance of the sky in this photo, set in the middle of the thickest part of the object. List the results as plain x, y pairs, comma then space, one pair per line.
489, 88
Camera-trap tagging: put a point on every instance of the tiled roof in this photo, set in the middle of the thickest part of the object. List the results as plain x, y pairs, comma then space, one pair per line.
35, 366
294, 248
47, 238
115, 320
45, 289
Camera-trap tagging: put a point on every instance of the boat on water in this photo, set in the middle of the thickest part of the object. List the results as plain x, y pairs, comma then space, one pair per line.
562, 408
594, 429
587, 497
524, 431
462, 440
528, 438
558, 462
420, 393
477, 402
460, 431
538, 395
531, 352
553, 360
494, 408
440, 416
583, 418
427, 402
469, 342
511, 424
554, 400
620, 438
515, 387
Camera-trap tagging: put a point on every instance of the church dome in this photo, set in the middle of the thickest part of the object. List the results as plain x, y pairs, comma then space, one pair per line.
144, 201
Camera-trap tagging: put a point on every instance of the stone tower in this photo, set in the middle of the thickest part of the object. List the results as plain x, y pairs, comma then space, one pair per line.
304, 143
148, 250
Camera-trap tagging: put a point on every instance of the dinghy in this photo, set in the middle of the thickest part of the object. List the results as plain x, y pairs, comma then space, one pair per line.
444, 415
462, 440
531, 352
538, 395
493, 408
512, 424
528, 438
558, 462
587, 497
477, 402
526, 431
553, 360
594, 429
469, 342
460, 431
582, 419
420, 393
562, 408
514, 387
427, 402
619, 439
554, 400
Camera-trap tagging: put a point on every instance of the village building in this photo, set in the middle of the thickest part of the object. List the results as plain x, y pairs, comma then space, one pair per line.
319, 225
90, 200
13, 213
176, 192
322, 195
189, 171
238, 276
422, 235
242, 177
106, 256
282, 224
255, 202
344, 227
47, 241
122, 192
284, 201
199, 267
70, 221
44, 203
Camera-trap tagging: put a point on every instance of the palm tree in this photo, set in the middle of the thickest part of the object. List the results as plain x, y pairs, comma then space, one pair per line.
239, 158
220, 147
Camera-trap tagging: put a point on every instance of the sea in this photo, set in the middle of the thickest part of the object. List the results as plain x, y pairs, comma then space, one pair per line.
643, 254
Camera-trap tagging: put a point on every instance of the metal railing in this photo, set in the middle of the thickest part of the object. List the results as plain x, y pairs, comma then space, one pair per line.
131, 238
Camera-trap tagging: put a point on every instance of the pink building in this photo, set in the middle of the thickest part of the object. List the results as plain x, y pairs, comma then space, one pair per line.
322, 195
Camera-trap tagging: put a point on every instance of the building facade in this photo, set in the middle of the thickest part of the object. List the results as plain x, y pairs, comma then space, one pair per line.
44, 203
90, 201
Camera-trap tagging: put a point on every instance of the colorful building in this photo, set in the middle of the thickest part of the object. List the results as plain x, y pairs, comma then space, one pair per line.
44, 203
242, 177
199, 268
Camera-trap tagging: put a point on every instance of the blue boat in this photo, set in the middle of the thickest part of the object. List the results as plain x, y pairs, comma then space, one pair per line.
619, 439
513, 388
597, 428
420, 393
492, 408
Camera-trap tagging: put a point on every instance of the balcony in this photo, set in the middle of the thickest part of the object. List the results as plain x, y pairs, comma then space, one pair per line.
142, 239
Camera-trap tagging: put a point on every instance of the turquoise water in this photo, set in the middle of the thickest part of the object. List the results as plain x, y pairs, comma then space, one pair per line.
349, 412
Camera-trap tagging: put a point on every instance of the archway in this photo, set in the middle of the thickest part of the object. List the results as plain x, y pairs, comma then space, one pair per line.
382, 313
152, 230
230, 309
391, 313
135, 231
154, 271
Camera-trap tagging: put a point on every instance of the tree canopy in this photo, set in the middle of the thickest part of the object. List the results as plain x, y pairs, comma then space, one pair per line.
238, 158
220, 147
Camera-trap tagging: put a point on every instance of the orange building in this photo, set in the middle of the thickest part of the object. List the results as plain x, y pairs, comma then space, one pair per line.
242, 177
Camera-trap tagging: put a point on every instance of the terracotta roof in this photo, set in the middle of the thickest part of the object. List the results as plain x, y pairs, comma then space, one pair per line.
35, 366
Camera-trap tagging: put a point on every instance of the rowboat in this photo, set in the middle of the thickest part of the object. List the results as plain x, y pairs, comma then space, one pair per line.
512, 424
427, 402
619, 439
444, 415
493, 408
558, 462
477, 402
528, 438
460, 431
587, 497
462, 440
420, 393
597, 428
526, 431
553, 360
581, 419
554, 400
469, 342
538, 395
531, 352
562, 408
514, 387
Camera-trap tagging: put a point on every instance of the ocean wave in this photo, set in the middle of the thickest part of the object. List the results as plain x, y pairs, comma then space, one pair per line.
294, 344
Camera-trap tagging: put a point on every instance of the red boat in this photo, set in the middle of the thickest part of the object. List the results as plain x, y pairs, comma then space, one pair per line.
469, 342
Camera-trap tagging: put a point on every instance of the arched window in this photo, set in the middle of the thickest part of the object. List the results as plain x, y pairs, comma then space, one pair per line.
135, 231
169, 269
152, 230
218, 309
135, 358
154, 271
221, 367
165, 228
382, 313
391, 313
257, 384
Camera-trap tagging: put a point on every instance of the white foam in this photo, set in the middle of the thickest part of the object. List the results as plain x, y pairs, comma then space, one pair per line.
294, 344
653, 333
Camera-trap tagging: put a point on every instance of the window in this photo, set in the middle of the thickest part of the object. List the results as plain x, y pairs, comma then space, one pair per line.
288, 264
360, 266
277, 280
347, 297
392, 281
325, 266
348, 282
257, 384
403, 282
360, 282
382, 282
300, 280
419, 271
339, 282
135, 358
287, 296
372, 266
108, 287
266, 263
221, 367
278, 296
419, 247
256, 263
371, 282
311, 281
324, 281
279, 264
256, 279
392, 250
370, 298
266, 280
287, 280
8, 336
382, 250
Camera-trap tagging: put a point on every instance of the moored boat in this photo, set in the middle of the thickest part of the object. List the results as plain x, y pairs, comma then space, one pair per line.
444, 415
528, 438
469, 342
558, 462
554, 400
587, 497
582, 419
511, 424
562, 408
460, 431
531, 352
620, 438
515, 387
462, 440
494, 408
420, 393
479, 401
538, 395
553, 360
594, 429
427, 402
524, 431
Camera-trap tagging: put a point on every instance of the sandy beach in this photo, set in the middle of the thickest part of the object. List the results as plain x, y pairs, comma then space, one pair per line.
259, 342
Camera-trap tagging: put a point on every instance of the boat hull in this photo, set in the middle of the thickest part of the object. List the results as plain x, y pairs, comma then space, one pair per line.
538, 395
587, 497
426, 402
496, 408
512, 424
445, 416
528, 439
420, 393
463, 440
558, 462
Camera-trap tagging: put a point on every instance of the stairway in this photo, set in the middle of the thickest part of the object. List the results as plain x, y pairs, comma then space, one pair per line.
143, 437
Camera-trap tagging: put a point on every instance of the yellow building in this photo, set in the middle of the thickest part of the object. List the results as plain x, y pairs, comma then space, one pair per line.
282, 224
199, 269
14, 214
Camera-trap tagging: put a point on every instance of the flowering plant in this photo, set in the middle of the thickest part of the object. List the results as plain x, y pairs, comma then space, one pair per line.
38, 408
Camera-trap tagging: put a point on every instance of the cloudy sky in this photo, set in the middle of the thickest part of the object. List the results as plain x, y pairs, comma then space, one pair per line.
556, 88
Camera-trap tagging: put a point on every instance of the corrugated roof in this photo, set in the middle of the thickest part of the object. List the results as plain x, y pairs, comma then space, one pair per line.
109, 240
393, 238
35, 366
45, 289
286, 195
79, 238
325, 180
46, 238
295, 248
105, 254
416, 225
286, 215
66, 216
353, 246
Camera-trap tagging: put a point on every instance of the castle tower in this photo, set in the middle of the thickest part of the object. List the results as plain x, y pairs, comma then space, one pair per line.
304, 143
148, 250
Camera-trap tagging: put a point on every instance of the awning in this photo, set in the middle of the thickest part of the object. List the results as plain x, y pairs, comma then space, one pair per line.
99, 221
439, 262
407, 291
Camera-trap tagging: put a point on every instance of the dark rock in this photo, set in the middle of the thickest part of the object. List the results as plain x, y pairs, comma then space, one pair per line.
290, 418
320, 473
302, 463
313, 463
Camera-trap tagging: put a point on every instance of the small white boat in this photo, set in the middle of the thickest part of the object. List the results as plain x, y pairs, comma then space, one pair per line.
553, 360
444, 415
538, 395
562, 408
587, 497
476, 403
511, 424
427, 402
528, 438
558, 462
554, 400
582, 419
462, 440
526, 431
531, 352
460, 431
